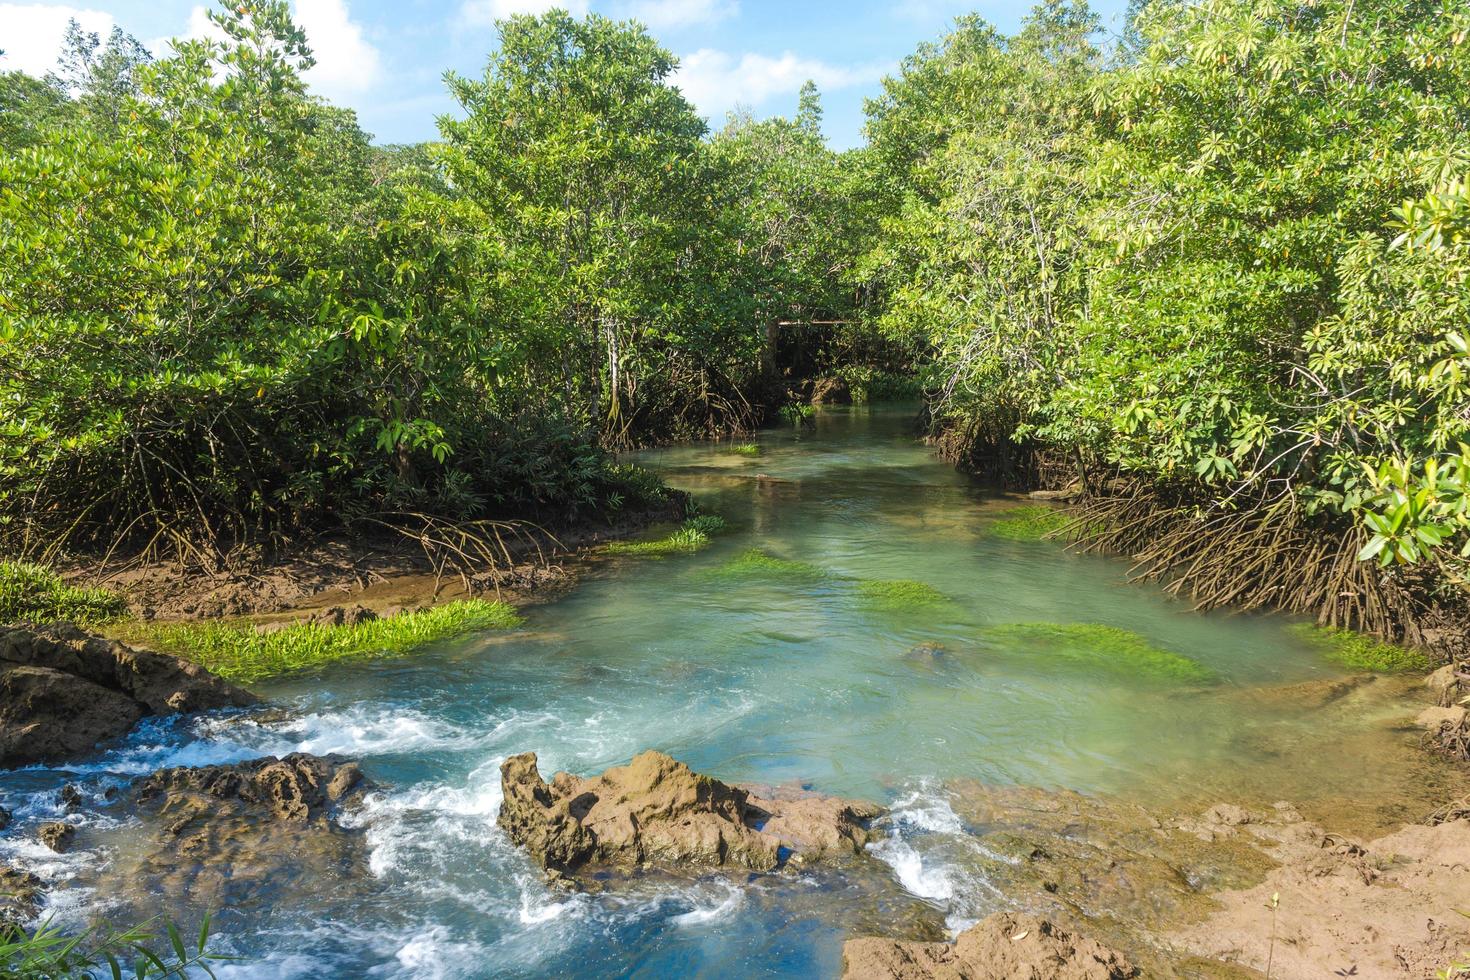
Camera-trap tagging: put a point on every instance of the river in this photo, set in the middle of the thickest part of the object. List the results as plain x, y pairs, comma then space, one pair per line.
793, 677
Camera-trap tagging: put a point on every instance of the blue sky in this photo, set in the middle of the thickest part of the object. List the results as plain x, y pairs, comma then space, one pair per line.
386, 58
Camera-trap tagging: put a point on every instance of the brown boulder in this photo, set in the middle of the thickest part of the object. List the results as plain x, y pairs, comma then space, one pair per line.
57, 835
20, 898
62, 691
656, 810
226, 835
1005, 946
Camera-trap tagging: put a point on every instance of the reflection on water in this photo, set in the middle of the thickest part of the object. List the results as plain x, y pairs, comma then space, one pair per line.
758, 679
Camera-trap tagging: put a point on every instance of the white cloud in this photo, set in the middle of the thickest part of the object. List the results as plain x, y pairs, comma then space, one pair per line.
717, 81
31, 34
347, 64
484, 13
667, 14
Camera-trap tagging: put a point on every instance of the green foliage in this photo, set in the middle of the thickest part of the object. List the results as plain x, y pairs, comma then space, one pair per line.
1106, 648
33, 594
744, 449
689, 538
1175, 262
1031, 522
239, 652
899, 595
798, 413
48, 953
1358, 652
757, 564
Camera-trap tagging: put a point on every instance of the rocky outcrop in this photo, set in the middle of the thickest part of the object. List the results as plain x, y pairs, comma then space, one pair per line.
21, 894
657, 811
1005, 946
62, 691
57, 835
232, 835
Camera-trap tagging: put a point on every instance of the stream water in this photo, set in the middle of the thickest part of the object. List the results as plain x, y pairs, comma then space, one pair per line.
756, 679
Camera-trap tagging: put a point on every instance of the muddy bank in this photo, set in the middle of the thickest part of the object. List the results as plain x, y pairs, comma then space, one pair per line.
1190, 894
384, 575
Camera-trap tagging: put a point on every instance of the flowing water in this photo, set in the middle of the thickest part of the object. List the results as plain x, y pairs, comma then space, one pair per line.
767, 679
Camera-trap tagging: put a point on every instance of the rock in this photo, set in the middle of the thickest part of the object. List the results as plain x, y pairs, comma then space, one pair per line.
1444, 684
1435, 720
20, 898
4, 818
70, 798
227, 835
830, 391
1070, 493
340, 616
62, 691
57, 835
655, 810
1004, 946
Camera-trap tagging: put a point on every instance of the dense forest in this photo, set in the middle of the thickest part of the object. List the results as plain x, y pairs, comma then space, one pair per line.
1212, 275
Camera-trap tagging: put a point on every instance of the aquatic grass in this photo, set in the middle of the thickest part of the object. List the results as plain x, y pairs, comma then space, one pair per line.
899, 595
744, 449
35, 594
1357, 651
693, 535
1032, 522
1115, 650
755, 563
238, 652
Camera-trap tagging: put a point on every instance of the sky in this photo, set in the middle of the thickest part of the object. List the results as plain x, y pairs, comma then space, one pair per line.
386, 58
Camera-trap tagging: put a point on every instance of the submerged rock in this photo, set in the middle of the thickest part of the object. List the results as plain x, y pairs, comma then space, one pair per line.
656, 810
62, 691
227, 835
1005, 946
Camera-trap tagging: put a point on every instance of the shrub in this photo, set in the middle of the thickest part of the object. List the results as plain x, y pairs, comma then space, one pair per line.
33, 594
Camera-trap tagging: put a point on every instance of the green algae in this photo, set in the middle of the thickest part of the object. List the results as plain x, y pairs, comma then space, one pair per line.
693, 535
1117, 651
754, 563
1356, 651
1032, 522
237, 651
899, 595
744, 449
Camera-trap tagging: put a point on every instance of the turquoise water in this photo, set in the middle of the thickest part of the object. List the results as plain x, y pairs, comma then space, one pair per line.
751, 679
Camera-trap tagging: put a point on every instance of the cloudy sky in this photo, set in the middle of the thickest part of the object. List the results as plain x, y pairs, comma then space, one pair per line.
385, 58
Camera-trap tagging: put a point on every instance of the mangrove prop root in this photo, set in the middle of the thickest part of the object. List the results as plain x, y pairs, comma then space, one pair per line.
1266, 556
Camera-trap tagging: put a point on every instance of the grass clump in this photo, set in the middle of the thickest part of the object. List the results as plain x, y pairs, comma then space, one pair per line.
693, 535
1117, 651
237, 652
1358, 652
1033, 522
34, 594
899, 595
745, 449
755, 563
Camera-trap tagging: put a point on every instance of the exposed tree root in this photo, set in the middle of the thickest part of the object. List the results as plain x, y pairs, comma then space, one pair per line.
1267, 556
